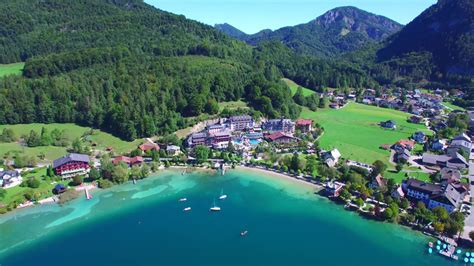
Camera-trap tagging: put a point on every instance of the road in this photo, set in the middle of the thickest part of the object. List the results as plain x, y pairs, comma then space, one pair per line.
469, 222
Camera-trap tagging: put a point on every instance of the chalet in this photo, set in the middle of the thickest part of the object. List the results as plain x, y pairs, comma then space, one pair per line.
304, 125
71, 165
149, 146
403, 144
330, 158
130, 161
390, 124
378, 182
415, 119
456, 162
173, 150
59, 188
241, 122
280, 137
10, 178
279, 125
402, 156
398, 193
419, 190
450, 199
461, 142
449, 175
419, 137
438, 145
333, 188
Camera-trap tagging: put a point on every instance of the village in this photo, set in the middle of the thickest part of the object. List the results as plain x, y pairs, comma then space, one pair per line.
291, 148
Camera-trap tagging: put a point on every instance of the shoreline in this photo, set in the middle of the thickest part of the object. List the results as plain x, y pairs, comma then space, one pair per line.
279, 175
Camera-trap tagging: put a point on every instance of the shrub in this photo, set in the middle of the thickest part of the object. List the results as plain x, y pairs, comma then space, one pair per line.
33, 183
104, 183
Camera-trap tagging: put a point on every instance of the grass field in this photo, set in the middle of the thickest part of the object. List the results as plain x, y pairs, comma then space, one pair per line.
72, 132
233, 105
453, 107
11, 69
354, 130
294, 87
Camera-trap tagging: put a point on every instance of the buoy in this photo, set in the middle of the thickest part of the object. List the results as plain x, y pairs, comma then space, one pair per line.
466, 260
430, 250
471, 260
438, 247
438, 242
468, 254
459, 251
444, 246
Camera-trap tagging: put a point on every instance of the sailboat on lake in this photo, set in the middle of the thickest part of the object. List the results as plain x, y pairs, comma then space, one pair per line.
215, 208
222, 196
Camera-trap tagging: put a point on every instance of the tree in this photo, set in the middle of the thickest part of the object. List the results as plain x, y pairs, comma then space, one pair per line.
94, 174
295, 160
230, 147
399, 167
471, 235
135, 173
33, 140
105, 183
77, 146
344, 194
391, 184
49, 171
441, 213
379, 167
3, 193
77, 180
120, 173
299, 97
359, 202
144, 171
405, 203
439, 227
33, 183
202, 153
212, 107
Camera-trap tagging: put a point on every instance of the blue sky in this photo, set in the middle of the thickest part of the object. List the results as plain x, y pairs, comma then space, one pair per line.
254, 15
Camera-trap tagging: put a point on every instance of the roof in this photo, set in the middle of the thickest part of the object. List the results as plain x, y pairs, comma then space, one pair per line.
460, 143
10, 173
149, 146
278, 135
173, 147
405, 143
399, 191
434, 159
336, 154
449, 196
463, 136
127, 160
450, 174
240, 118
418, 185
72, 157
304, 122
381, 182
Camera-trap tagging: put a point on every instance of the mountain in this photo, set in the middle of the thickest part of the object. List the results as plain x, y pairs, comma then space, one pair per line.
443, 35
231, 31
339, 30
125, 67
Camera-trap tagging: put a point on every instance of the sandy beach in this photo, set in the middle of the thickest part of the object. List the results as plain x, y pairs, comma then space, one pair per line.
279, 175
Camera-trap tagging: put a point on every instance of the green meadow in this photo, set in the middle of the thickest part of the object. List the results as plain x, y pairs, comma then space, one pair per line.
354, 130
72, 131
294, 87
11, 69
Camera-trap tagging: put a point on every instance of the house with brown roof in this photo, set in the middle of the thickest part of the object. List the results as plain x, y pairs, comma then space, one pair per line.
280, 137
378, 182
304, 125
130, 161
149, 146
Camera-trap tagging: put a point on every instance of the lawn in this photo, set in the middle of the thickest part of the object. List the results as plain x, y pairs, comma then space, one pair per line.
11, 69
453, 107
233, 105
73, 131
399, 177
294, 87
354, 130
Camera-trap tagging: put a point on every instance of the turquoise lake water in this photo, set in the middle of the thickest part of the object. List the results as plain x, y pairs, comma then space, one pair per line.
144, 224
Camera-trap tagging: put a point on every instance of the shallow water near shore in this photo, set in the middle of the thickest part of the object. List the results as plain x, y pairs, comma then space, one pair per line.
144, 224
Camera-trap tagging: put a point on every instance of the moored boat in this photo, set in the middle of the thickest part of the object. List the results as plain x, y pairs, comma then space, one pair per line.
187, 209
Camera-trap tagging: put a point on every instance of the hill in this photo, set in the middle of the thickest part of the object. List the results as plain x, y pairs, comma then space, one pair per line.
231, 31
442, 37
339, 30
125, 67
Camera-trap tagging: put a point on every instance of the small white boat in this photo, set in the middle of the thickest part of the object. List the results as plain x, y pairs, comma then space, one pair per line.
183, 200
244, 233
215, 208
187, 209
222, 196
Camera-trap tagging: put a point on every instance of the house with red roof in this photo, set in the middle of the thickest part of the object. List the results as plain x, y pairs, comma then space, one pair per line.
280, 137
149, 146
127, 160
304, 125
404, 144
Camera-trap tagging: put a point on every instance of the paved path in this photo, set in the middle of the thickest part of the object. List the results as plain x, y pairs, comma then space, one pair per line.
469, 222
